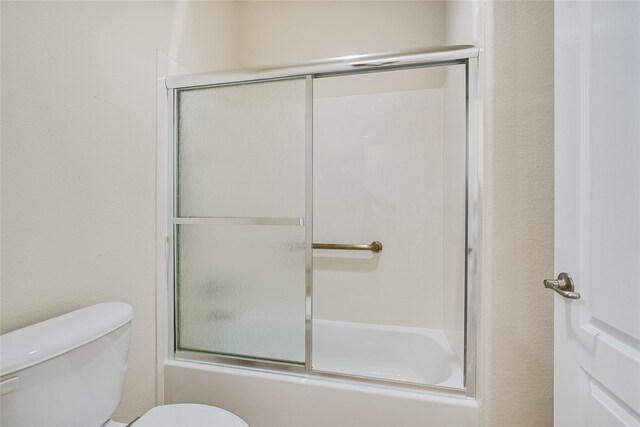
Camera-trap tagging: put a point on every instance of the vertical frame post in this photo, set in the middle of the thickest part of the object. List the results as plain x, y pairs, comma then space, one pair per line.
474, 227
308, 223
171, 202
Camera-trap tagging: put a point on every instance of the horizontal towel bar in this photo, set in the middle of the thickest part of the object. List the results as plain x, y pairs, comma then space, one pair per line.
374, 246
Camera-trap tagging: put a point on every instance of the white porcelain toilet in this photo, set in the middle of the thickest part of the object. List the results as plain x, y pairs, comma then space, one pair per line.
69, 371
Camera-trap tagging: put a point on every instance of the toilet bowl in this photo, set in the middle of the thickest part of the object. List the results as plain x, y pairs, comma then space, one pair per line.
187, 415
184, 415
49, 372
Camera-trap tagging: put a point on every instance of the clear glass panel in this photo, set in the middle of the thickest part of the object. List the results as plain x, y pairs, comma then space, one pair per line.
241, 290
241, 150
389, 164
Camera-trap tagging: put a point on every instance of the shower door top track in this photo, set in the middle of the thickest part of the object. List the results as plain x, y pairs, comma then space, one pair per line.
466, 55
352, 64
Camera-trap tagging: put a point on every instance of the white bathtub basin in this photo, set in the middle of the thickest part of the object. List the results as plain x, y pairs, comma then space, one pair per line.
414, 355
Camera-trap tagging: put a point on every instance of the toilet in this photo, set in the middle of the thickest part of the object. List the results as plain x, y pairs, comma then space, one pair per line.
69, 371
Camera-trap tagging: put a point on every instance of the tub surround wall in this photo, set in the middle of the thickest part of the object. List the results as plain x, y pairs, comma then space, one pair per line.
378, 175
78, 157
464, 22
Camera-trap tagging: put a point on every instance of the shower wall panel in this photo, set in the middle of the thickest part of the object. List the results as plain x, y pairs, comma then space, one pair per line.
378, 175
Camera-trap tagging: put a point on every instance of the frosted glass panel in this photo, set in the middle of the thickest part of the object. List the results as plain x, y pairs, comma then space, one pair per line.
241, 290
241, 150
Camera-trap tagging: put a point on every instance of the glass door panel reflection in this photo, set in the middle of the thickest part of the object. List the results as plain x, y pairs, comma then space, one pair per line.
240, 219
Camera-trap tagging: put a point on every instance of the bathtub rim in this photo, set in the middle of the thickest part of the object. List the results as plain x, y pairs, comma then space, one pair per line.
248, 366
255, 395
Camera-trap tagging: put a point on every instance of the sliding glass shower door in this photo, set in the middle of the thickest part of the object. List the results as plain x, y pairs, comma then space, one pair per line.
241, 219
389, 153
388, 189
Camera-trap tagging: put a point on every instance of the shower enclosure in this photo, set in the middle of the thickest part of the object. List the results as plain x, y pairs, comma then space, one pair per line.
323, 220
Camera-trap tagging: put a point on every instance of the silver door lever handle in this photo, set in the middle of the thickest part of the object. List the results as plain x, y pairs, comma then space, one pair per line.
563, 285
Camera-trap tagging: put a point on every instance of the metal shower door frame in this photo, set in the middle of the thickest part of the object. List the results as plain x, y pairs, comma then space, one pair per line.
439, 57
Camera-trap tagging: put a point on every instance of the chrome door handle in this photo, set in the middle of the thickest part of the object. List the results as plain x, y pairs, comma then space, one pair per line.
563, 285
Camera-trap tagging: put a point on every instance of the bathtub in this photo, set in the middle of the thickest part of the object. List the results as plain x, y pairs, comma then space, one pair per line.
268, 398
397, 353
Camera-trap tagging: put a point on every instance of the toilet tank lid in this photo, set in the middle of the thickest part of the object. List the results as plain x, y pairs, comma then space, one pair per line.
42, 341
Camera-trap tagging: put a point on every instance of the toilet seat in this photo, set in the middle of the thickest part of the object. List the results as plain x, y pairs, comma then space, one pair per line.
188, 415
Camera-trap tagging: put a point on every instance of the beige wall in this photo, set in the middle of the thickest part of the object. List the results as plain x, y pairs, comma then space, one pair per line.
286, 32
517, 353
78, 156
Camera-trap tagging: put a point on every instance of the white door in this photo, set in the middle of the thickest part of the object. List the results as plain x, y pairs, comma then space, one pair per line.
597, 212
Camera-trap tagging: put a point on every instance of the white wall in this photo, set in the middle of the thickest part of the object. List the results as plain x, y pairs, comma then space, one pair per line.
78, 156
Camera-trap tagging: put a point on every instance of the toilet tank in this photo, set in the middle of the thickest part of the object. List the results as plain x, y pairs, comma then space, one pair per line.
66, 371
